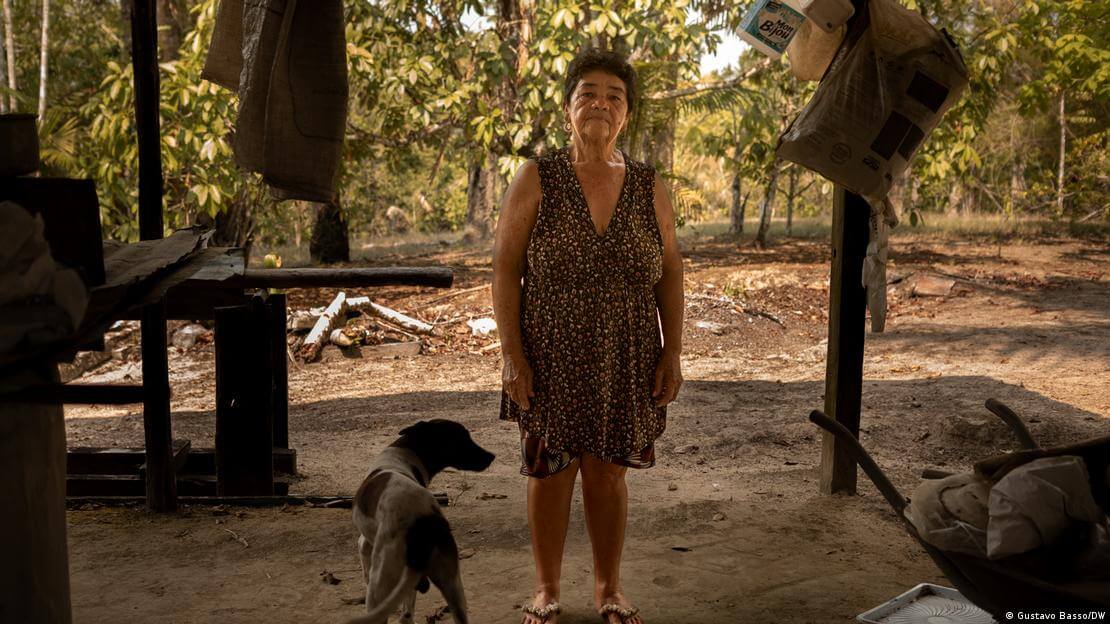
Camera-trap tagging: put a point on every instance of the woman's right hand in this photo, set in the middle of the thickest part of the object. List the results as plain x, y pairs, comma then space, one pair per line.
516, 381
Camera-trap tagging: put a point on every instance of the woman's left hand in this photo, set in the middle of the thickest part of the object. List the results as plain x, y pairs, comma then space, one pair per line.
668, 379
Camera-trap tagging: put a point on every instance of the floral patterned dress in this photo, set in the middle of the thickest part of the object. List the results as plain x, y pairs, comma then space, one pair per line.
590, 325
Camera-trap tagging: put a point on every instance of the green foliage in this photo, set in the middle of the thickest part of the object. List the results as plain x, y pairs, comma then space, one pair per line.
197, 117
1022, 54
438, 84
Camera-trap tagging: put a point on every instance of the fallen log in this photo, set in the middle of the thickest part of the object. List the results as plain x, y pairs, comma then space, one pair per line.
393, 316
314, 342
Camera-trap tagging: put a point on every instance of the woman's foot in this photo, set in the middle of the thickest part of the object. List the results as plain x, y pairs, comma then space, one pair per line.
622, 613
543, 611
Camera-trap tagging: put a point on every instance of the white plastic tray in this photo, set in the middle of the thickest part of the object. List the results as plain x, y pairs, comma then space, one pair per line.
927, 604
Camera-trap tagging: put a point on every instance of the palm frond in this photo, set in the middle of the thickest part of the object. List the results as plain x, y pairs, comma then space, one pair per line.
59, 135
690, 201
716, 100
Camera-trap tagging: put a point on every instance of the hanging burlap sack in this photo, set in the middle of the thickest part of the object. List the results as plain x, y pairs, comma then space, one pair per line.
890, 82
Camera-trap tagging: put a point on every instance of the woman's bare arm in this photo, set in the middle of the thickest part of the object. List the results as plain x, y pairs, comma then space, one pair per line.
670, 301
519, 210
668, 292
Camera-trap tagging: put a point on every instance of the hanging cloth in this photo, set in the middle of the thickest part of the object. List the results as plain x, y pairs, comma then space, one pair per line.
287, 61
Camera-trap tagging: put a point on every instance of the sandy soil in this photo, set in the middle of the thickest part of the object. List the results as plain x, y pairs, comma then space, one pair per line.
729, 525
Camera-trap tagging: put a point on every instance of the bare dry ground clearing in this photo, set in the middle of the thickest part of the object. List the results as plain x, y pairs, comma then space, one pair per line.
728, 527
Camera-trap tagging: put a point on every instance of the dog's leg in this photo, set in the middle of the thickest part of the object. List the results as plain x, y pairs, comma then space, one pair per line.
365, 550
443, 571
408, 608
387, 572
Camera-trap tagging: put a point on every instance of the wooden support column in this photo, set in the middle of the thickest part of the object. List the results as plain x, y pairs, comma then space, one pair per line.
161, 478
244, 392
161, 482
280, 367
34, 567
844, 364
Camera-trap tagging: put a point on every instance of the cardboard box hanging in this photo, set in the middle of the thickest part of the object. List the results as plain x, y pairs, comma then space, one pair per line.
888, 86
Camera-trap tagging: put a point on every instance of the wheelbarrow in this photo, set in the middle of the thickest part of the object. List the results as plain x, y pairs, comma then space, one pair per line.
994, 586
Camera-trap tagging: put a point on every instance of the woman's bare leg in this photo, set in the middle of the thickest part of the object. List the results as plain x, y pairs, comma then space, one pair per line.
605, 498
548, 517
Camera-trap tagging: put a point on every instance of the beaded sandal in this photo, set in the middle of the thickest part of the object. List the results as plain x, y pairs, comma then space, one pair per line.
543, 614
622, 612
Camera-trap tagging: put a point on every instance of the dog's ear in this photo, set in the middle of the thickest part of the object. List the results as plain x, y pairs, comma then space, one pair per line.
414, 428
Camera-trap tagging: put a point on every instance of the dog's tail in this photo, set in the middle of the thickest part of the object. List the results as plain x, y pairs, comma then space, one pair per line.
381, 611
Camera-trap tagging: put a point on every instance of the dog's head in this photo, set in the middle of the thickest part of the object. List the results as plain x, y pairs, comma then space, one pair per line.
445, 443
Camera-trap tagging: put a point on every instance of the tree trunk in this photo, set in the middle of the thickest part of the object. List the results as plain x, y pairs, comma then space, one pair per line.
234, 224
1017, 173
9, 38
125, 24
768, 207
171, 29
514, 28
298, 216
43, 57
3, 72
481, 199
329, 235
660, 148
1063, 151
736, 213
791, 195
955, 199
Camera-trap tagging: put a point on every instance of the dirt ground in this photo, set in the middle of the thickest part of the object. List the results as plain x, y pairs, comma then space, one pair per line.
727, 527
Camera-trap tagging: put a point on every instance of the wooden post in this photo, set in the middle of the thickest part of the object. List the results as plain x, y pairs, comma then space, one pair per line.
161, 482
244, 391
34, 569
280, 367
161, 478
844, 364
144, 60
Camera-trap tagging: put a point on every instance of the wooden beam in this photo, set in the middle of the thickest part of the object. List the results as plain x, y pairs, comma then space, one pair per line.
844, 364
188, 460
279, 366
438, 277
77, 394
203, 461
244, 391
161, 487
102, 461
132, 485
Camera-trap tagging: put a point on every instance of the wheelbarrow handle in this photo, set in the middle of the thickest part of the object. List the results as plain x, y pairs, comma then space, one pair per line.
1021, 432
857, 452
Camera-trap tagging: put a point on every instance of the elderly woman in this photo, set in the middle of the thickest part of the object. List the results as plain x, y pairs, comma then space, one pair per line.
586, 373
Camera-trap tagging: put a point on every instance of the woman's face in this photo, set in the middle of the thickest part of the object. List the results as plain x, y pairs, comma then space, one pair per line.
598, 107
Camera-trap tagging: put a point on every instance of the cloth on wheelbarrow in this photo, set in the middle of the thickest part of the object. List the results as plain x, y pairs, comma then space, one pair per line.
1036, 503
1095, 453
1032, 505
951, 513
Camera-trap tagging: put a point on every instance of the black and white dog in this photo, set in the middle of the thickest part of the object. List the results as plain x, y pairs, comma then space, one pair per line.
404, 539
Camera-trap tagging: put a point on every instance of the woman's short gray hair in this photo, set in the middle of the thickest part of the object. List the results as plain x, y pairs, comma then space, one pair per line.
591, 59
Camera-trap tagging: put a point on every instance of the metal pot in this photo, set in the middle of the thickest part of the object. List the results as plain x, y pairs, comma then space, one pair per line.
19, 145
